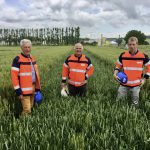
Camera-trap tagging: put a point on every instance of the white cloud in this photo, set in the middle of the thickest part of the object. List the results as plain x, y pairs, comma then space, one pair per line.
97, 16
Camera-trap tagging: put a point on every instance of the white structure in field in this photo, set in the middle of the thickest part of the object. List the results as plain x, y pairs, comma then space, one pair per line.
114, 43
102, 41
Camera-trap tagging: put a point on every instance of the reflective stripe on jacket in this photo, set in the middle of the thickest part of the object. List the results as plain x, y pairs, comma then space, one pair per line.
134, 66
21, 74
77, 70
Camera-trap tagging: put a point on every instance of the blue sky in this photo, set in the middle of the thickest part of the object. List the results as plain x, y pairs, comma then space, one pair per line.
95, 17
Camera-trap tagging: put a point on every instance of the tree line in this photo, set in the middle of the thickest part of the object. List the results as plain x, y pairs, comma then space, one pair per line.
138, 34
40, 36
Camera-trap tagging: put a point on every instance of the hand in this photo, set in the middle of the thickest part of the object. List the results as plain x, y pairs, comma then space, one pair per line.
142, 82
116, 78
20, 97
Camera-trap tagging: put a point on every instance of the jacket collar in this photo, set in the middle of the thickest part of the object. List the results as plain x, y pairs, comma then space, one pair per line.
134, 53
78, 57
29, 56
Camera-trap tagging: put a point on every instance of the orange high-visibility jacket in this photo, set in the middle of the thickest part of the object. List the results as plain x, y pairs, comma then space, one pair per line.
21, 75
77, 70
134, 66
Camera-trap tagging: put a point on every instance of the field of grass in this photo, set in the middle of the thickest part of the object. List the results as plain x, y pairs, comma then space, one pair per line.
112, 53
94, 122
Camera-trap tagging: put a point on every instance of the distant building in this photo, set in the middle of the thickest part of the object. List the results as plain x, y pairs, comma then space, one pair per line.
114, 43
90, 41
111, 39
103, 41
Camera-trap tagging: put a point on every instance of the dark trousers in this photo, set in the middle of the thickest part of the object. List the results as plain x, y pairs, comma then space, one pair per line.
77, 91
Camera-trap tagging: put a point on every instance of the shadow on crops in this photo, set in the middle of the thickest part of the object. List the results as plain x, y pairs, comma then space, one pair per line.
11, 106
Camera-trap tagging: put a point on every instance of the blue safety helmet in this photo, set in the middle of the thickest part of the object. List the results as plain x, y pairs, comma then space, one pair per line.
38, 97
122, 77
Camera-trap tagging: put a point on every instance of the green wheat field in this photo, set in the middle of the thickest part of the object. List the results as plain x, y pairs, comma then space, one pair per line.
95, 122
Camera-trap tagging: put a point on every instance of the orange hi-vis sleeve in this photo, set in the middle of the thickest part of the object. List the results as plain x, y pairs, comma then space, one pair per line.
15, 73
65, 72
90, 70
119, 65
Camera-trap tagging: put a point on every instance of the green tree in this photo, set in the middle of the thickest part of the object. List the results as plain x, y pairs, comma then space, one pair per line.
140, 36
66, 36
77, 34
119, 41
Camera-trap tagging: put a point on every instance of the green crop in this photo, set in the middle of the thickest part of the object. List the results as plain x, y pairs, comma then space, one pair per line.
94, 122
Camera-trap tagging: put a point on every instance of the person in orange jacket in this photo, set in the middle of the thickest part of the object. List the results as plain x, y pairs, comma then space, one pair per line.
77, 69
132, 63
25, 76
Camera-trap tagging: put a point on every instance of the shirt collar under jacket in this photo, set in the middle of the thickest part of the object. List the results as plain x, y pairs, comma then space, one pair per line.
134, 53
24, 55
77, 56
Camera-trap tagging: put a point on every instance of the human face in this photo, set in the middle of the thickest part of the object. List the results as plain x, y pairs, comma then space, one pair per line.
133, 46
26, 48
78, 51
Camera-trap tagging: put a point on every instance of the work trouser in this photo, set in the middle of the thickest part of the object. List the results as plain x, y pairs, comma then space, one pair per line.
77, 91
123, 91
28, 102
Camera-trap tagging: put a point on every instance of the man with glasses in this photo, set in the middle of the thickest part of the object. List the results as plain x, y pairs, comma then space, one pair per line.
77, 69
136, 65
